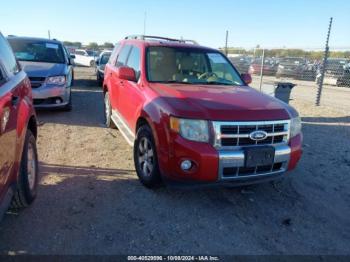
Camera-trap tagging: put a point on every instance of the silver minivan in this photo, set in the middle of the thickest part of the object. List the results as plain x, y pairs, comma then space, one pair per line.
49, 68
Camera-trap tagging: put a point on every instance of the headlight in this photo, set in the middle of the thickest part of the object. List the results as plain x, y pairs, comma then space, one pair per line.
194, 130
295, 126
56, 80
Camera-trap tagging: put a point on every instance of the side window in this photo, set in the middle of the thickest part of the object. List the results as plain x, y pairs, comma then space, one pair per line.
134, 61
114, 54
123, 56
7, 57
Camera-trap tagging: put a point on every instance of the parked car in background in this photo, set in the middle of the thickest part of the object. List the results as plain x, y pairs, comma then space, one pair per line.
85, 57
290, 67
50, 70
337, 72
269, 68
192, 118
241, 63
18, 132
101, 62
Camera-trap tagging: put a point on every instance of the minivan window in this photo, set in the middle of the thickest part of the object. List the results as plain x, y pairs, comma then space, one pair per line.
190, 66
37, 51
7, 57
134, 61
123, 55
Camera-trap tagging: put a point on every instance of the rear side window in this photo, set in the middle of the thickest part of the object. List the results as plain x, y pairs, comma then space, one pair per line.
7, 57
114, 54
123, 56
134, 61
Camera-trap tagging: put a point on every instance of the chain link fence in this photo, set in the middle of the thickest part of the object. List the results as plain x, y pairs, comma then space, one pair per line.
302, 67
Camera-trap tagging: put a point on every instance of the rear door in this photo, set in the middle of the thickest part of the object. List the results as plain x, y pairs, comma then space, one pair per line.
10, 95
115, 81
130, 97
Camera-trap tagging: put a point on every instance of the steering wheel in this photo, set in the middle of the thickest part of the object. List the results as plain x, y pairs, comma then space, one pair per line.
206, 75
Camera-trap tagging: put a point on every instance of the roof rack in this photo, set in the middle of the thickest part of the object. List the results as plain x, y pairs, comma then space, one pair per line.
155, 38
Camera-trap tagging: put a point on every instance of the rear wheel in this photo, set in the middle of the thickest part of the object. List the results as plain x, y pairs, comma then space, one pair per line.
145, 158
108, 111
28, 175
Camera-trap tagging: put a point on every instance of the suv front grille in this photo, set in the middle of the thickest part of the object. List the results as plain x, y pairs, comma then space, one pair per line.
237, 134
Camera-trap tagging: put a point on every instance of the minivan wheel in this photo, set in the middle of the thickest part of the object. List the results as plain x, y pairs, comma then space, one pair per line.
69, 106
108, 112
28, 175
145, 158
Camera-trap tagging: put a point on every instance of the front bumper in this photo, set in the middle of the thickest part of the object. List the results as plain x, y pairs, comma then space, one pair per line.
211, 165
46, 96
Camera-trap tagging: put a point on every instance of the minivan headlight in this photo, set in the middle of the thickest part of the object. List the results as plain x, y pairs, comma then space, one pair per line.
295, 126
191, 129
56, 80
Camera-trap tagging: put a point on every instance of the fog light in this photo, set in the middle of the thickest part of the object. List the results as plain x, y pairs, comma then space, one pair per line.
186, 165
58, 101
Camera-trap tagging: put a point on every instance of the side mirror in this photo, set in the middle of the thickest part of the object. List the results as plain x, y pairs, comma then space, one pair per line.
126, 73
97, 62
247, 78
72, 56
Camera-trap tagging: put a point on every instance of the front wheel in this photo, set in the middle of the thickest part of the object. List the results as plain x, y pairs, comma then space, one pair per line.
28, 175
145, 158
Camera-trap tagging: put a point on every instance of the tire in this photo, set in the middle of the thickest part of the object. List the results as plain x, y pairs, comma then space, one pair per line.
28, 177
69, 106
99, 79
145, 158
108, 112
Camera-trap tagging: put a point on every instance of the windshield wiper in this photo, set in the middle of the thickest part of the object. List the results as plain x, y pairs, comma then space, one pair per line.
219, 83
175, 82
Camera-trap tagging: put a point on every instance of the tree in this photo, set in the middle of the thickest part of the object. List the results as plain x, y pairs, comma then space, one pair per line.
92, 45
77, 44
108, 45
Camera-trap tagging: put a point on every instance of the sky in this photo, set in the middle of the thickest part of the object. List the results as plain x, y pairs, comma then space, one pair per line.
268, 23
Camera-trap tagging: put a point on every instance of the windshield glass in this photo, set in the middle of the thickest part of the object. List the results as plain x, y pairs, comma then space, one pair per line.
37, 51
189, 66
91, 53
105, 58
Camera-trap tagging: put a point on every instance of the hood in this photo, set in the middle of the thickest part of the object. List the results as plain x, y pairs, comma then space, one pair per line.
221, 103
39, 69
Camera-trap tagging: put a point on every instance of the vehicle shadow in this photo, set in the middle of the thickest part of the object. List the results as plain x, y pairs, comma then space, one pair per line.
88, 109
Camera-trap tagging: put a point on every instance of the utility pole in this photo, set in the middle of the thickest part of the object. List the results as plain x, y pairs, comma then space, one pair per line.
49, 34
262, 67
226, 48
324, 64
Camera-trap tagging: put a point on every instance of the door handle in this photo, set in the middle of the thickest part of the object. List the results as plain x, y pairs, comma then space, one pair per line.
15, 100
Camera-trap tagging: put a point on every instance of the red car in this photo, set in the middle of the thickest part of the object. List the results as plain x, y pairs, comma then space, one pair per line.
18, 131
269, 68
191, 117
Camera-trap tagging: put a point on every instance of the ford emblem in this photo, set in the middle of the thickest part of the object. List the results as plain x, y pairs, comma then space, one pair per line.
258, 135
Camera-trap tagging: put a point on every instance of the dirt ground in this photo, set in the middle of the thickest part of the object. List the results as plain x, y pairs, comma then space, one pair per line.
90, 201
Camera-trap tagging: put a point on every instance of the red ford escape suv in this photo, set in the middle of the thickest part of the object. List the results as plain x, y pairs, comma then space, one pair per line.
192, 118
18, 130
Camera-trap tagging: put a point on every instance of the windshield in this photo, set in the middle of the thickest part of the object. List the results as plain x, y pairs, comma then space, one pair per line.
105, 58
37, 51
91, 53
189, 66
